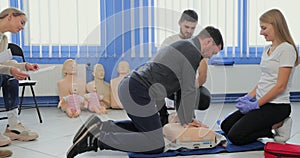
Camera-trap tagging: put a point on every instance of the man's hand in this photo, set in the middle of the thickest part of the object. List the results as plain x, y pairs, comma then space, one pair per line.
195, 123
31, 67
18, 74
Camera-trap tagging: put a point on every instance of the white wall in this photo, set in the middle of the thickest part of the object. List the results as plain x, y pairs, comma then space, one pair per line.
47, 81
220, 79
238, 78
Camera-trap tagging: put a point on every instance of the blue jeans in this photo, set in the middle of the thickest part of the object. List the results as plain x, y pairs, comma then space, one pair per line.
143, 132
10, 91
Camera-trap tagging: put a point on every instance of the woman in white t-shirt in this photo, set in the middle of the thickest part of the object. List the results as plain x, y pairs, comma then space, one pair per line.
267, 106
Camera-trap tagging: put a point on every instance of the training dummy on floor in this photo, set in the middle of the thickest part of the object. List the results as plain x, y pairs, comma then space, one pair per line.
123, 70
100, 86
94, 104
71, 90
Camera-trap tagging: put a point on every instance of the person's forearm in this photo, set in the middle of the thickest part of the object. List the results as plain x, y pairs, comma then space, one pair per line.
201, 80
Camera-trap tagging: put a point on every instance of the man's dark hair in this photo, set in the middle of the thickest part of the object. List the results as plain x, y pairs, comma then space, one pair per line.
214, 33
189, 15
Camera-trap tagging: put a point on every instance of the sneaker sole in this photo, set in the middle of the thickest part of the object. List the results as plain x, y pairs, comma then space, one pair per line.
73, 150
89, 122
14, 136
5, 143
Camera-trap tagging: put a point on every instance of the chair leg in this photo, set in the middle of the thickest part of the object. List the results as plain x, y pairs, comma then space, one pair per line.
21, 101
36, 105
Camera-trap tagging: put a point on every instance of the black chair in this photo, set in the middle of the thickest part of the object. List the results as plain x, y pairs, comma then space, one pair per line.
17, 51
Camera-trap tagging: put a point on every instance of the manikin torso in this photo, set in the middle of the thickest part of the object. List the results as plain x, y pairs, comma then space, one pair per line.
69, 84
123, 69
100, 86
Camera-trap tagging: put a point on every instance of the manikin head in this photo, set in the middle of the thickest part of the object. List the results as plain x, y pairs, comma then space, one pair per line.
98, 71
123, 67
69, 67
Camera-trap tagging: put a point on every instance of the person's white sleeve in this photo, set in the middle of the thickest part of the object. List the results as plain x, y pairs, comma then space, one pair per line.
14, 63
287, 56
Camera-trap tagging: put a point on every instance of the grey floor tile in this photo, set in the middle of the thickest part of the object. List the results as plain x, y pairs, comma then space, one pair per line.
57, 130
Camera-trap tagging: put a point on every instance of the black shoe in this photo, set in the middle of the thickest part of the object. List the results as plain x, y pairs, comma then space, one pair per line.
93, 119
87, 142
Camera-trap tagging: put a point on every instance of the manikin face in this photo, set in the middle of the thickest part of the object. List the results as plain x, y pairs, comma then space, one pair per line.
210, 48
99, 71
123, 67
267, 31
17, 23
187, 29
70, 67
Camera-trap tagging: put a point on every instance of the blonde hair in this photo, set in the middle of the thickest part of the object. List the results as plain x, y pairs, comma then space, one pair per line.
277, 20
13, 11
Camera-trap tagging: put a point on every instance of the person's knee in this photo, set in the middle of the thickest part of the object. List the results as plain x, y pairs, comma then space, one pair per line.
13, 84
155, 151
205, 99
236, 139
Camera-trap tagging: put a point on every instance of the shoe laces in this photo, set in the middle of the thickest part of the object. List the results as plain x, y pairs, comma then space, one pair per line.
20, 128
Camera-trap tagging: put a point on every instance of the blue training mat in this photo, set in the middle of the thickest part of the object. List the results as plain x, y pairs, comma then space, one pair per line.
218, 149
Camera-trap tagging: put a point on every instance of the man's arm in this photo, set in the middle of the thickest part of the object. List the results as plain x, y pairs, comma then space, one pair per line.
188, 95
202, 73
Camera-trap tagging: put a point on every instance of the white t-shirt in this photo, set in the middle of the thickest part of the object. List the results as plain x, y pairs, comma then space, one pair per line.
283, 56
171, 39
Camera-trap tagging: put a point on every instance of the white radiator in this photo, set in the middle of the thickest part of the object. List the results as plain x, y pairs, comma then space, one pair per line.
47, 80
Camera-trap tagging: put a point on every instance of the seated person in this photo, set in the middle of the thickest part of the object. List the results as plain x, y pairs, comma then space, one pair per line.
267, 106
13, 20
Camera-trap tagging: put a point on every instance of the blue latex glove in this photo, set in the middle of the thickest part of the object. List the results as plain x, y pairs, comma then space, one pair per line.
245, 106
245, 97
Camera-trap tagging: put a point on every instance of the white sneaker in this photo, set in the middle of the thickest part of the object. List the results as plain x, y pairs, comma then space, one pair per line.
4, 140
283, 133
19, 132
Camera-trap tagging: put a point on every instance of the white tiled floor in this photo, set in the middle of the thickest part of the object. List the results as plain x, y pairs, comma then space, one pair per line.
57, 130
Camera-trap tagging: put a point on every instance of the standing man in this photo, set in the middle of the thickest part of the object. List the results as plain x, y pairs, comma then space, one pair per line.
172, 69
187, 23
